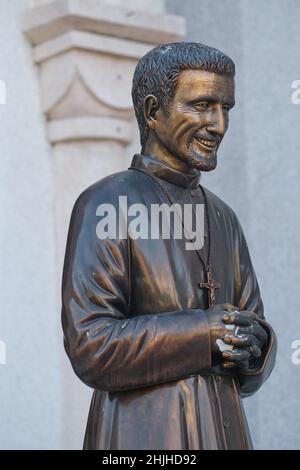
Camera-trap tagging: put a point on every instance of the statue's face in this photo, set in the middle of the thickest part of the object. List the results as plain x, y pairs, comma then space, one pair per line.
197, 119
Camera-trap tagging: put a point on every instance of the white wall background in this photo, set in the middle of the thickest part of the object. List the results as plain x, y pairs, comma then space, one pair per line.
42, 404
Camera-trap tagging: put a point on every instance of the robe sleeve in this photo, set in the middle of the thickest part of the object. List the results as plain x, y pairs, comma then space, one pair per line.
108, 349
247, 297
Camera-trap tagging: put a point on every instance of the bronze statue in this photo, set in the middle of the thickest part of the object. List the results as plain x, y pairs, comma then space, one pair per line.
169, 338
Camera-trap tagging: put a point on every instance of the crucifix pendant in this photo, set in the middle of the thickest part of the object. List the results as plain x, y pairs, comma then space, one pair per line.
211, 285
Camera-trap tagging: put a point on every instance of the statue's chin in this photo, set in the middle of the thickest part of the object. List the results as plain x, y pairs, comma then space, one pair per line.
202, 162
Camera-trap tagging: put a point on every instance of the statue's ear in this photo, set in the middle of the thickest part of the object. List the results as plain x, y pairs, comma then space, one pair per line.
151, 106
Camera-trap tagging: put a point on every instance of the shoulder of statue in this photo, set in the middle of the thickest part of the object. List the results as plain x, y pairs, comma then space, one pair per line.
108, 189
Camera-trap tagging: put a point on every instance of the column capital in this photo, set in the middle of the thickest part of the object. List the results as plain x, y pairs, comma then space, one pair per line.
86, 51
49, 20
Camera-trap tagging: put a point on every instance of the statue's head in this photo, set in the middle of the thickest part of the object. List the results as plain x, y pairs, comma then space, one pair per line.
182, 93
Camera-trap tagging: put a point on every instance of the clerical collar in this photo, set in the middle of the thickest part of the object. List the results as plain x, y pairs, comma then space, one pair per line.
166, 172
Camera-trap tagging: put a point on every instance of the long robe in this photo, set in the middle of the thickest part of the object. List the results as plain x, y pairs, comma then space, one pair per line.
135, 320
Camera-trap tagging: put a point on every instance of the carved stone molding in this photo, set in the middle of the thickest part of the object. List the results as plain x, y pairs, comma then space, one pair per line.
52, 19
87, 128
86, 51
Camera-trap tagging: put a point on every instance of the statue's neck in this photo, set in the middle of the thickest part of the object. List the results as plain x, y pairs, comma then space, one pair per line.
158, 151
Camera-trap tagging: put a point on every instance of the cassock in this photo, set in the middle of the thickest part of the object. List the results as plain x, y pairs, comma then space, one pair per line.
135, 320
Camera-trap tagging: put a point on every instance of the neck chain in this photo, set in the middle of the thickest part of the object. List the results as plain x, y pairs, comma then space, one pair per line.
211, 285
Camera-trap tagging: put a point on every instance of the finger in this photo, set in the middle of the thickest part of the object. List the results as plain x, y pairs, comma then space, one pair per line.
237, 318
236, 355
249, 314
244, 314
229, 365
260, 332
255, 351
247, 341
230, 308
256, 330
240, 341
243, 365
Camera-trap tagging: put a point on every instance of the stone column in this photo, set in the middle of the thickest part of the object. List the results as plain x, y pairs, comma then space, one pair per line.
86, 52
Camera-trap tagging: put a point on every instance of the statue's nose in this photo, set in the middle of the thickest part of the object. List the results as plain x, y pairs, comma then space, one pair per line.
218, 122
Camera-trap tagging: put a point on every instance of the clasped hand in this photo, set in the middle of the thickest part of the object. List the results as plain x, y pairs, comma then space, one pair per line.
247, 342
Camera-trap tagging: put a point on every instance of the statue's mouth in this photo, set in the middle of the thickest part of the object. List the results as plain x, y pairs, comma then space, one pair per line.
207, 144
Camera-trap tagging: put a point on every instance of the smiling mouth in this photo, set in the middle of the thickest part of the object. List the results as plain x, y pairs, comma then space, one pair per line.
207, 144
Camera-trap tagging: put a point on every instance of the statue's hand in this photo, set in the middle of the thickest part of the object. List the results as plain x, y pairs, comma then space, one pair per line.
247, 343
217, 325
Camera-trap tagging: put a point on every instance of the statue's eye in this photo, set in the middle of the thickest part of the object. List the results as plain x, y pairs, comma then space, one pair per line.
203, 105
226, 107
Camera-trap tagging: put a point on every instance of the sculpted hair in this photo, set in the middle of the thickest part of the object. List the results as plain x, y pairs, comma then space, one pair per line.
157, 73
